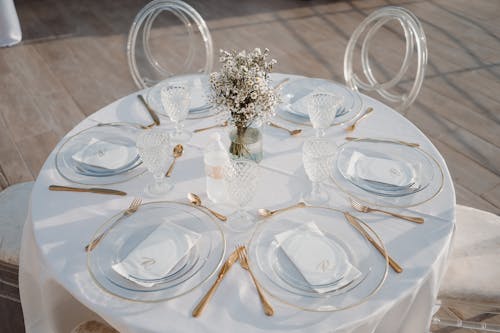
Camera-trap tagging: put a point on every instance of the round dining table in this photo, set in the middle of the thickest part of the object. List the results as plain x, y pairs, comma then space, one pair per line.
57, 290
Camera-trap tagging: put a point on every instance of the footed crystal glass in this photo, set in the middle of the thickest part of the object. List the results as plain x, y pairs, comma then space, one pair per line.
176, 99
317, 156
240, 179
156, 154
322, 110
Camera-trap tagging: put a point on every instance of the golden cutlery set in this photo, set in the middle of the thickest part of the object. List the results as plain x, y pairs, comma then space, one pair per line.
239, 254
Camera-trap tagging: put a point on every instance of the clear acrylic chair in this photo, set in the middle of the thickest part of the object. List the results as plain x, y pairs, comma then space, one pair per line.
415, 43
192, 36
469, 295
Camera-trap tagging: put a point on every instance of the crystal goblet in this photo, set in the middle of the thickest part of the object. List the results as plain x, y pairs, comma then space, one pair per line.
317, 156
175, 98
240, 179
322, 111
156, 154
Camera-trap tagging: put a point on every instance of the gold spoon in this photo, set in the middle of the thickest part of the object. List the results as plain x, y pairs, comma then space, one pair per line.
195, 200
294, 132
353, 126
266, 212
178, 149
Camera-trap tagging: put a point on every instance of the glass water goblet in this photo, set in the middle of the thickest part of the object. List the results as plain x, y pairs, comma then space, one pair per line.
322, 110
240, 179
156, 154
175, 98
317, 156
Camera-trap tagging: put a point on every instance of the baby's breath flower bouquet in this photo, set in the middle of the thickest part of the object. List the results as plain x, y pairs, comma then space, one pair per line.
241, 88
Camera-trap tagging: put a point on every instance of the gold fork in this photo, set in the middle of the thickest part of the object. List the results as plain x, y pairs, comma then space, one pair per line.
134, 206
243, 258
365, 209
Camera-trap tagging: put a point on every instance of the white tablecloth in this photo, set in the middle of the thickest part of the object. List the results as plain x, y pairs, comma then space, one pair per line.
10, 30
57, 291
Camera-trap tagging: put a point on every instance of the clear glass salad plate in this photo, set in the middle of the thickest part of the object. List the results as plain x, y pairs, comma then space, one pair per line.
271, 261
198, 84
386, 173
295, 98
92, 141
195, 267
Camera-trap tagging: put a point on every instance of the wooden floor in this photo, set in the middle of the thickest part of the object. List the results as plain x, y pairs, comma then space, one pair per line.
72, 62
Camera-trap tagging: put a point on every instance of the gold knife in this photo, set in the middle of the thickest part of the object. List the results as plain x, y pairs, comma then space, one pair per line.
353, 221
409, 144
89, 190
152, 113
225, 268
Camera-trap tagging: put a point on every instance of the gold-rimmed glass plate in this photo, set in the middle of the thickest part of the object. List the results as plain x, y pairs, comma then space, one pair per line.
416, 176
278, 275
195, 267
117, 134
295, 94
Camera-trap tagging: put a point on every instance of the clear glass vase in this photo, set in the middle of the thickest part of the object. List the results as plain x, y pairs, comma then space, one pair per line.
246, 143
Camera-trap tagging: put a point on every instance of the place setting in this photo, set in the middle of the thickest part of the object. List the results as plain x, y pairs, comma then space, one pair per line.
298, 95
196, 85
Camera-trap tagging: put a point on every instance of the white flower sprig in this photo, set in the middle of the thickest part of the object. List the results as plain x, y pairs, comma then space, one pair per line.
242, 88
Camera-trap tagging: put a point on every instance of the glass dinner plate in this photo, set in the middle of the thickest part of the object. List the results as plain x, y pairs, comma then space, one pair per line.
420, 174
200, 106
91, 175
202, 260
281, 279
294, 96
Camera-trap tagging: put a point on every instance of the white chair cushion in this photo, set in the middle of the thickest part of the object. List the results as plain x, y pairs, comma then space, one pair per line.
473, 272
93, 326
14, 204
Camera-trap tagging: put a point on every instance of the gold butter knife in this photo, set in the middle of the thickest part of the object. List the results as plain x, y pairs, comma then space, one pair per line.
409, 144
354, 222
89, 190
225, 268
151, 112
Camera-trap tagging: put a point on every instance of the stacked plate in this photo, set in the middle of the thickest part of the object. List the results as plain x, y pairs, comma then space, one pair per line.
162, 251
198, 85
100, 155
387, 173
295, 97
313, 259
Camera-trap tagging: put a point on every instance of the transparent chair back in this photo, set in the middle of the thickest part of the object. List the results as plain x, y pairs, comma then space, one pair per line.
415, 56
167, 38
462, 316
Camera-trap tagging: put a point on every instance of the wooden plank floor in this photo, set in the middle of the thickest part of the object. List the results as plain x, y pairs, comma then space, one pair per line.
72, 62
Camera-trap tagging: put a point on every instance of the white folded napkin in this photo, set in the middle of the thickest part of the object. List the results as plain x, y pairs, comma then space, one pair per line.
157, 254
320, 260
381, 170
106, 155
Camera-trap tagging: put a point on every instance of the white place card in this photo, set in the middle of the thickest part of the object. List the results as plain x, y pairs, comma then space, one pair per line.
323, 263
157, 254
106, 155
381, 170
